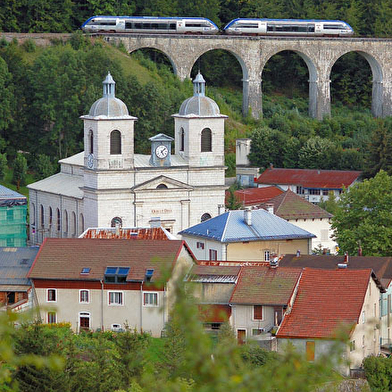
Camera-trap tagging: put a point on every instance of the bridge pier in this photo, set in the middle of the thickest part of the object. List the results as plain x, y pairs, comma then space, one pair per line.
252, 98
320, 98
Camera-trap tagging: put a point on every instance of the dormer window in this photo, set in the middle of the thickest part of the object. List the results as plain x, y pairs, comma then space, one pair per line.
116, 274
149, 274
115, 142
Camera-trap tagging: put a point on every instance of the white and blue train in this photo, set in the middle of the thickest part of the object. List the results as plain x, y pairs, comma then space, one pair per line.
305, 27
149, 24
240, 26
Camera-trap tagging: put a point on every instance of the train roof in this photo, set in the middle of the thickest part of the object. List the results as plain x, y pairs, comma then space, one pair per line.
150, 17
285, 20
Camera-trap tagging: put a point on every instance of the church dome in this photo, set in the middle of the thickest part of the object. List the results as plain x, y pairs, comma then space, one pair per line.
199, 104
109, 105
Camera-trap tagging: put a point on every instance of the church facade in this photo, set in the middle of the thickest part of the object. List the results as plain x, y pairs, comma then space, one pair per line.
108, 184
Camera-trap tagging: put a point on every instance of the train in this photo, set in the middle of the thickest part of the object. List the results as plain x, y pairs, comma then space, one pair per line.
239, 26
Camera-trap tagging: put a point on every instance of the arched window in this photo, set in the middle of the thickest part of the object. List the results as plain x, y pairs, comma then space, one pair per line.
182, 139
73, 224
206, 140
205, 217
58, 220
42, 217
81, 223
50, 216
65, 223
115, 142
116, 221
33, 213
162, 186
91, 141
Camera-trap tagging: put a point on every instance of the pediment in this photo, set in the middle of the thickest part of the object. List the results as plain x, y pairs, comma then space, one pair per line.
170, 183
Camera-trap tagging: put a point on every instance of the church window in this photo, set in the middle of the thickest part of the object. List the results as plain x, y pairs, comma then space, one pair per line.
65, 222
91, 141
42, 220
162, 186
50, 216
206, 140
81, 223
58, 220
73, 224
182, 139
205, 216
115, 142
33, 213
116, 221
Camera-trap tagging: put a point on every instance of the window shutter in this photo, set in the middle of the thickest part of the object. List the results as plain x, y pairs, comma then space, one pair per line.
206, 140
115, 142
258, 312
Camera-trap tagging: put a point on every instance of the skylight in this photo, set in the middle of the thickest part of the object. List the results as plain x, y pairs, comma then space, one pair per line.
85, 271
116, 274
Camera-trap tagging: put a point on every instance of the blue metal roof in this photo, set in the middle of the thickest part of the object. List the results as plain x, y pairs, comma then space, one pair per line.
15, 263
231, 227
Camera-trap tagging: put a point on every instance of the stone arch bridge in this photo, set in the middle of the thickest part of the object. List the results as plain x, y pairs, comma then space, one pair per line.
319, 54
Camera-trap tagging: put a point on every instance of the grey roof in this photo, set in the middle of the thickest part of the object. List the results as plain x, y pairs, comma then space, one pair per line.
77, 159
15, 263
161, 137
231, 227
144, 161
61, 184
200, 106
8, 197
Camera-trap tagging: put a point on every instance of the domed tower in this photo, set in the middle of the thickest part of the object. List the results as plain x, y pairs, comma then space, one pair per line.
108, 132
199, 129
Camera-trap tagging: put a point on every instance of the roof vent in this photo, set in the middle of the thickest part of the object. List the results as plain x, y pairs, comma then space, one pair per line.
24, 261
148, 276
274, 262
248, 216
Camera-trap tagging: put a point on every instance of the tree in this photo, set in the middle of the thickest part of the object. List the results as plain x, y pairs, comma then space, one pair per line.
364, 216
20, 171
3, 166
43, 167
232, 201
317, 153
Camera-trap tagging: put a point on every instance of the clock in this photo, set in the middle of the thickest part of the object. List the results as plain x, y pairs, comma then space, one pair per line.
161, 151
90, 161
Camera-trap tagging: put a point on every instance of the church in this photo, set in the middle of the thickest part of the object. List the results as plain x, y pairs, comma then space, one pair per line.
107, 184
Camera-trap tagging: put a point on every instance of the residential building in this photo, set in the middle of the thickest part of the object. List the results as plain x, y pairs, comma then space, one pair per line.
13, 218
253, 197
305, 215
314, 185
248, 235
328, 305
246, 175
15, 287
107, 184
108, 284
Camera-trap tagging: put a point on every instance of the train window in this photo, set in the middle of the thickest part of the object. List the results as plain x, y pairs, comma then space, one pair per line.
250, 26
311, 28
154, 26
187, 24
270, 27
332, 27
172, 26
146, 26
128, 25
108, 23
138, 26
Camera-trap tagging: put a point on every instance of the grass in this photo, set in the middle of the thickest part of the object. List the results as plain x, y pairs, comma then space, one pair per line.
8, 184
155, 350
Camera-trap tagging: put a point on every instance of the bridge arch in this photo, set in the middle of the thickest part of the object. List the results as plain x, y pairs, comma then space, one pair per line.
377, 78
313, 74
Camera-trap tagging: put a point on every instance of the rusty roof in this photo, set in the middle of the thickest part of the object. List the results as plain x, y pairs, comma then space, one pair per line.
255, 196
134, 233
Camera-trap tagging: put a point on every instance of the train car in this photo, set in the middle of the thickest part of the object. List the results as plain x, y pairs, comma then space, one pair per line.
149, 24
289, 27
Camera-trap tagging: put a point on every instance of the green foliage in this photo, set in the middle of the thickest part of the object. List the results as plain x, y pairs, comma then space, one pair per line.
3, 166
230, 163
232, 201
317, 153
20, 170
378, 372
364, 216
43, 167
329, 204
29, 46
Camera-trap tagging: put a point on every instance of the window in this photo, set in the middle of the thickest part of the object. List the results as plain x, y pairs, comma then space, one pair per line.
115, 142
58, 220
116, 274
84, 321
200, 245
51, 317
314, 191
73, 224
213, 255
51, 295
85, 271
300, 190
266, 255
116, 222
115, 298
116, 327
50, 216
257, 312
150, 299
363, 317
325, 192
205, 217
10, 214
81, 223
374, 310
42, 220
257, 331
148, 275
84, 296
91, 141
310, 349
206, 140
182, 139
162, 186
33, 213
352, 345
65, 222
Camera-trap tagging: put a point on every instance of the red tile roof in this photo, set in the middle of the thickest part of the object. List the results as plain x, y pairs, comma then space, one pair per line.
148, 233
289, 205
64, 258
255, 196
265, 286
331, 179
215, 270
325, 301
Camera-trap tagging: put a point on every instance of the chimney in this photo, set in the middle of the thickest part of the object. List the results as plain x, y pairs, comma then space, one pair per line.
155, 222
298, 253
274, 261
359, 248
271, 165
221, 209
346, 257
248, 216
270, 208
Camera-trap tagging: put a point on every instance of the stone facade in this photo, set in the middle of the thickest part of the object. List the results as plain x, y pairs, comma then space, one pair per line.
108, 184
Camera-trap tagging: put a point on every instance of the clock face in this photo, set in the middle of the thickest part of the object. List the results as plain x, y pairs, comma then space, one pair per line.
161, 151
90, 161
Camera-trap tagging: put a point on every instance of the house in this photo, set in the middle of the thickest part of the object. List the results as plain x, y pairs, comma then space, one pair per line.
253, 197
15, 287
248, 235
382, 267
259, 300
246, 175
313, 185
328, 305
13, 221
108, 184
108, 284
308, 216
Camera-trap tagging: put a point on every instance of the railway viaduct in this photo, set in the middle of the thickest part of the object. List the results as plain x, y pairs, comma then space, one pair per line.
319, 54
